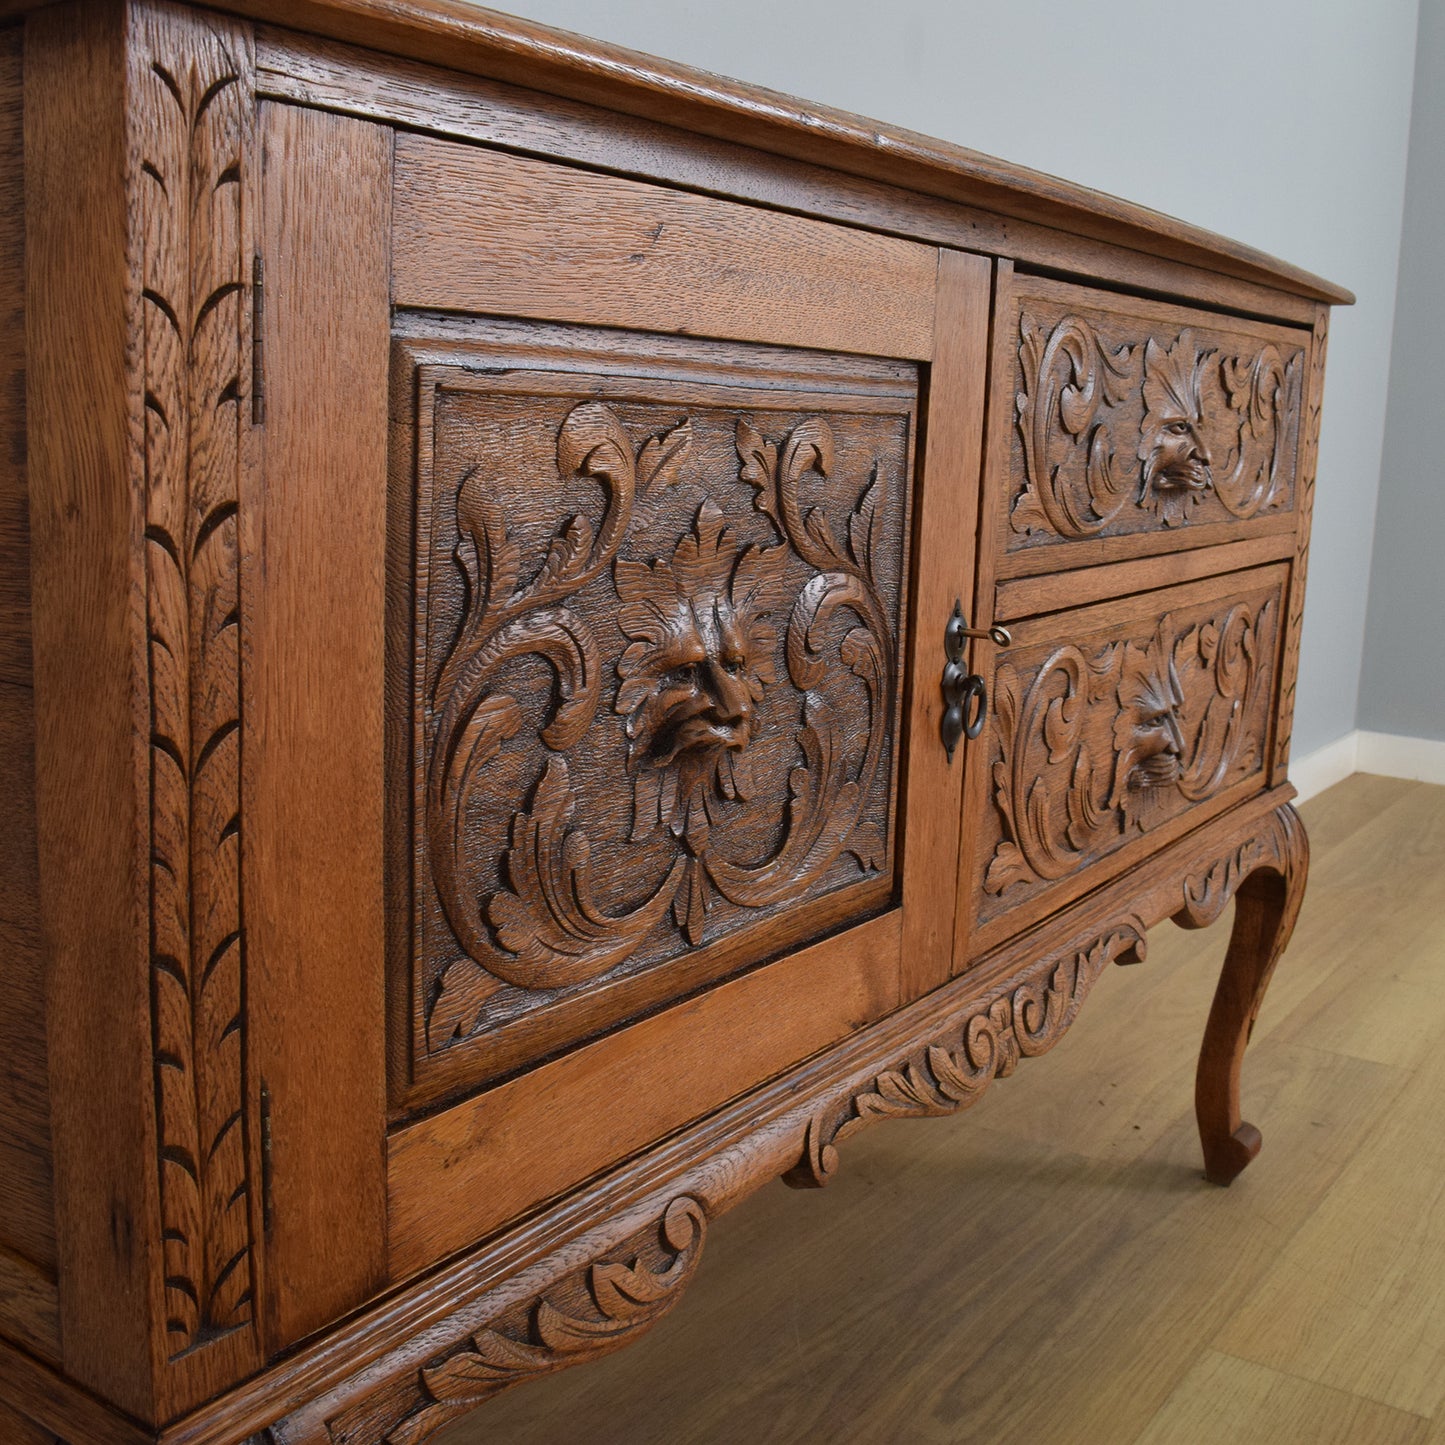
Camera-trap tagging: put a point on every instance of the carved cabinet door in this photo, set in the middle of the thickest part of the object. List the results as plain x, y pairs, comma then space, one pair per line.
604, 545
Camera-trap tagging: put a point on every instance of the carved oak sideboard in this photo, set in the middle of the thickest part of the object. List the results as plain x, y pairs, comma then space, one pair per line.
571, 635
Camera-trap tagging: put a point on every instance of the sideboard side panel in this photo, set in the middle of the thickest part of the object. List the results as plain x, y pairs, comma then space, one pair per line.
313, 863
91, 724
27, 1204
1295, 611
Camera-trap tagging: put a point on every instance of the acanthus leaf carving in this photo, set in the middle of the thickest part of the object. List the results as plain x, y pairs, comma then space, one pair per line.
607, 1306
1069, 378
1024, 1018
549, 918
1095, 745
1279, 845
706, 625
1202, 419
1263, 391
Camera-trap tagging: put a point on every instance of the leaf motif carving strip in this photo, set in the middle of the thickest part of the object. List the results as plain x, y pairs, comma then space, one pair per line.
1022, 1020
194, 90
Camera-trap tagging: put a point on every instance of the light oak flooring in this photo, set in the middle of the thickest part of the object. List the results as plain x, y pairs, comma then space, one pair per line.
1051, 1266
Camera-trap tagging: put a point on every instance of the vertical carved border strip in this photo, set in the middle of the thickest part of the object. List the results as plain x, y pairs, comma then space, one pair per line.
191, 80
1304, 512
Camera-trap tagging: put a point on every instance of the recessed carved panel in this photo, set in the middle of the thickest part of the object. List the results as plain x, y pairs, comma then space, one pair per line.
655, 690
1105, 730
1128, 421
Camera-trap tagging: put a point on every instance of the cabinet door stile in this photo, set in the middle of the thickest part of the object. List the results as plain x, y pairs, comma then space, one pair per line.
313, 733
998, 420
946, 529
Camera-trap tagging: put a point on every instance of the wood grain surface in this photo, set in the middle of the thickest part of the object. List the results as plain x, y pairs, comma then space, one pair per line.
472, 226
27, 1202
19, 878
314, 869
309, 70
91, 718
14, 500
27, 1205
459, 1174
946, 529
1021, 597
29, 1307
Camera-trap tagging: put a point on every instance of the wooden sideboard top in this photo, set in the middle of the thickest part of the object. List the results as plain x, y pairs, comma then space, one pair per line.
463, 37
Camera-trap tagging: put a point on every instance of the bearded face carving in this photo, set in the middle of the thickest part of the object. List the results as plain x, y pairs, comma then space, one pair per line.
691, 683
1148, 736
1173, 449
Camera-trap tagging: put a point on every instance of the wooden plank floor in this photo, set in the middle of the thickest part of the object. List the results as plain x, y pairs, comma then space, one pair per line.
1051, 1267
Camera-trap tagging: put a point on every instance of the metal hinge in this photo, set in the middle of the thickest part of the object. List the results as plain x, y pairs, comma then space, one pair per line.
265, 1160
258, 364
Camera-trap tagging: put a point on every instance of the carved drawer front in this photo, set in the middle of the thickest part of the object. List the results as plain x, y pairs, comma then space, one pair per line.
645, 652
1138, 428
1116, 728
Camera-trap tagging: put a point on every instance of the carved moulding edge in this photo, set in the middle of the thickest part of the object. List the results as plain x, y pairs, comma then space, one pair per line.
589, 1313
775, 1131
1021, 1018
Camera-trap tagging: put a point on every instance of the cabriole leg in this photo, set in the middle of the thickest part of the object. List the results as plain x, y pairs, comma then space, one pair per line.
1266, 906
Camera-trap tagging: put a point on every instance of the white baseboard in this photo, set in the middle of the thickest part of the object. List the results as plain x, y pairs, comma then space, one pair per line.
1385, 754
1325, 767
1397, 757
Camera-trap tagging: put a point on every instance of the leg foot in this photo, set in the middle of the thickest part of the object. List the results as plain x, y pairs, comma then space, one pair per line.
1266, 906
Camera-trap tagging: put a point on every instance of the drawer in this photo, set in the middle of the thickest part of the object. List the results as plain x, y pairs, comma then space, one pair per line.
1115, 728
1138, 428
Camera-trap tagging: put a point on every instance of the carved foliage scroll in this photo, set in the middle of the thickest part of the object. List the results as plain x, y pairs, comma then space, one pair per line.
194, 96
1021, 1021
1123, 426
1100, 739
658, 686
951, 1066
586, 1315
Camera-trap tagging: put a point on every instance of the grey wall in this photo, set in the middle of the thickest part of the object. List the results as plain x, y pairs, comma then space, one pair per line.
1403, 683
1282, 123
